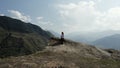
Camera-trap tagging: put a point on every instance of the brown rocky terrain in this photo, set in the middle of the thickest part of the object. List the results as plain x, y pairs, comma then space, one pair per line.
68, 55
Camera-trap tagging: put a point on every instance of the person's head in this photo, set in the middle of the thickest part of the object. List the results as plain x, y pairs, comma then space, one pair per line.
62, 32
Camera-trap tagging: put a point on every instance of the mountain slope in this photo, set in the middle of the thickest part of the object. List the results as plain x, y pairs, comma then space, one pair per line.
19, 38
68, 55
78, 48
112, 41
11, 24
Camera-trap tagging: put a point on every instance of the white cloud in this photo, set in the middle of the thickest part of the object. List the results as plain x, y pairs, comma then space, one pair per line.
40, 18
1, 14
44, 23
98, 0
111, 19
84, 16
18, 15
79, 16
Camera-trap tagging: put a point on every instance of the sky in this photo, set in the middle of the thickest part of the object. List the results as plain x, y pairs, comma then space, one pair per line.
69, 16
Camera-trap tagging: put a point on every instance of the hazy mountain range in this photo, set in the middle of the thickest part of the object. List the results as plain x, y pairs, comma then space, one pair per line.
106, 39
112, 41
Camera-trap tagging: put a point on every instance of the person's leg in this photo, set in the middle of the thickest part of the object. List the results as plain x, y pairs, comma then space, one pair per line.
62, 40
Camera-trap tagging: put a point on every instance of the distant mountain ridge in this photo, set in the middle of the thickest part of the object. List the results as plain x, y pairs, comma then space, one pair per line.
20, 38
112, 41
91, 36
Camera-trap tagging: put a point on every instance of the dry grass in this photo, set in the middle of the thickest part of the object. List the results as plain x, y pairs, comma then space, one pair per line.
68, 55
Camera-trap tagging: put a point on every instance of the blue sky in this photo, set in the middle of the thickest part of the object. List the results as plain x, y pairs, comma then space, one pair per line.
32, 8
81, 16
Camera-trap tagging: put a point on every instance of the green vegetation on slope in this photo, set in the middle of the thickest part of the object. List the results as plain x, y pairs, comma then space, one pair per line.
19, 38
